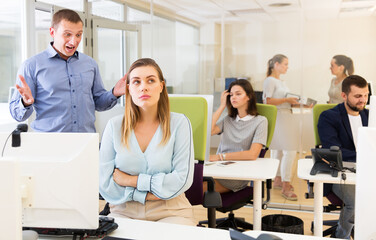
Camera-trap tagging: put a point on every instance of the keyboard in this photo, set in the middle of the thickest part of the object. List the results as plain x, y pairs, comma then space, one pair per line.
106, 226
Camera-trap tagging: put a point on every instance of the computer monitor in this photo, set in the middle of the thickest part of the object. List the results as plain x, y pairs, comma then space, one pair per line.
370, 93
228, 81
60, 173
365, 196
372, 112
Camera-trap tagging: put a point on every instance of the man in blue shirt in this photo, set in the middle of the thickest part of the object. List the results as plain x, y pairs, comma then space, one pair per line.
63, 86
339, 127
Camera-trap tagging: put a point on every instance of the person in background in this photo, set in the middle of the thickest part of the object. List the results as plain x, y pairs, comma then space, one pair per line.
341, 67
146, 156
63, 86
285, 140
339, 127
243, 131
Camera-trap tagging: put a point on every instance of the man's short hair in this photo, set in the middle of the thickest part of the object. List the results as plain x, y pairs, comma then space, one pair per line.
353, 80
65, 14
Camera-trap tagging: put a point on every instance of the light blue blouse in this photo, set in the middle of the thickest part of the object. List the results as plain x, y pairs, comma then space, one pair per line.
164, 170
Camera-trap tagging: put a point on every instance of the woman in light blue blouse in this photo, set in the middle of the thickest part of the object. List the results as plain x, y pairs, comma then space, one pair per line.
146, 156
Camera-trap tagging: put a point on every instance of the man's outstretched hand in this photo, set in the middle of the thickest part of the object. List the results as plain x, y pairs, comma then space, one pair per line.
24, 90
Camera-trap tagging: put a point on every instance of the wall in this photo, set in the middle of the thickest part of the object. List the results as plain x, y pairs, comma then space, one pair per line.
210, 52
310, 45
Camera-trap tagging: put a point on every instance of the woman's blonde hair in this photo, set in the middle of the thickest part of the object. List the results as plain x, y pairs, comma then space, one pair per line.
132, 112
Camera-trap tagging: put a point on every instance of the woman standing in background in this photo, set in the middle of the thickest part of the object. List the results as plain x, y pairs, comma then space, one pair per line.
285, 140
341, 66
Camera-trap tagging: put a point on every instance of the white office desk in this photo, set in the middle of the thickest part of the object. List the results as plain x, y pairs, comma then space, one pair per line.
145, 230
257, 170
304, 169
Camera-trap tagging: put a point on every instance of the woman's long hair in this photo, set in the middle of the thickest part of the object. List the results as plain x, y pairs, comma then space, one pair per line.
276, 59
132, 112
346, 62
247, 87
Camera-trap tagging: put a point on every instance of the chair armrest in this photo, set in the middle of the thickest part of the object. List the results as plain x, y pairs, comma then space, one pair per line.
212, 199
100, 197
310, 193
211, 183
268, 194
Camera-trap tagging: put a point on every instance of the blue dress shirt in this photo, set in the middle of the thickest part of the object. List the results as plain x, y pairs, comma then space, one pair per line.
164, 170
66, 92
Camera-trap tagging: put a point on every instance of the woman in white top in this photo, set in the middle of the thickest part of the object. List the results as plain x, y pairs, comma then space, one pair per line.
283, 146
341, 66
243, 131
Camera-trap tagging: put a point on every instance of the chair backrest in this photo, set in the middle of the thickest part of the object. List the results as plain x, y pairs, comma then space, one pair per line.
270, 112
195, 108
317, 110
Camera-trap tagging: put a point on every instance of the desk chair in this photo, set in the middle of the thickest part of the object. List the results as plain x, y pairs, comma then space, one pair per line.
234, 200
195, 108
335, 202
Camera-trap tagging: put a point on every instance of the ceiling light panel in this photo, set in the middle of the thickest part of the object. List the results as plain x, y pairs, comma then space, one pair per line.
254, 16
321, 14
237, 5
293, 16
358, 3
320, 4
200, 7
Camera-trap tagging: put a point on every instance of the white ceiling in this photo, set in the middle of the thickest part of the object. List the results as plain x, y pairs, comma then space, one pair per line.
232, 11
266, 11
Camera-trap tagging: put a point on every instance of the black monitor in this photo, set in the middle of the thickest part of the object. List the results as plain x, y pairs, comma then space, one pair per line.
370, 93
259, 96
228, 81
327, 160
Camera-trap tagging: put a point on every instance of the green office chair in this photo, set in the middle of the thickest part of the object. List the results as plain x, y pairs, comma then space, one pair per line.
317, 110
270, 112
196, 109
234, 200
335, 202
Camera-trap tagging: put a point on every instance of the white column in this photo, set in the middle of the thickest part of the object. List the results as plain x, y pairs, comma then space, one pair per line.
318, 208
257, 202
27, 28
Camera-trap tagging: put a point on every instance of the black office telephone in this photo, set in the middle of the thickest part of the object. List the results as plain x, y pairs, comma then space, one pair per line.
327, 160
